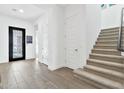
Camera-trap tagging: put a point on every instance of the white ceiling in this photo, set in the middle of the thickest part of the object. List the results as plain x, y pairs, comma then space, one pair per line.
47, 6
44, 6
31, 12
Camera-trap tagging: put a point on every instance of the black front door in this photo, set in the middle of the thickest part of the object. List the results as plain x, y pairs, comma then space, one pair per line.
16, 43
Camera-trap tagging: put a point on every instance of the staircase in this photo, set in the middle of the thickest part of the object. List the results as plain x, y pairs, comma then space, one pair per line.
105, 66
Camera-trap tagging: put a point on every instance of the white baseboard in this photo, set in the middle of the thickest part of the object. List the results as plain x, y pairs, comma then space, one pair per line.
52, 68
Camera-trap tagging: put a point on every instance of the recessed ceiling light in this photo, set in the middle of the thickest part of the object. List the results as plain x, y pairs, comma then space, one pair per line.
18, 10
21, 10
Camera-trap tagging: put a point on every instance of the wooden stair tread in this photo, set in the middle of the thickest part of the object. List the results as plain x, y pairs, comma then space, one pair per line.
106, 50
106, 71
115, 28
107, 63
107, 41
98, 79
111, 56
106, 45
108, 34
108, 37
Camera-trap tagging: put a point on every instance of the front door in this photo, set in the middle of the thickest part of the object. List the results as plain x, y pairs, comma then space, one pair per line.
16, 43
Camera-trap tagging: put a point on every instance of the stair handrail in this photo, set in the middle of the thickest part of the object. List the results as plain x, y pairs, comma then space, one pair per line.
120, 32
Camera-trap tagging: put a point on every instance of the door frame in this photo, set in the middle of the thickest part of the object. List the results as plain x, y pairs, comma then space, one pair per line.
11, 28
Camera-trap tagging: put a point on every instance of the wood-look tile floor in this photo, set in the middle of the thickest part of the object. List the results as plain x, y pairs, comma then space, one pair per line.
31, 74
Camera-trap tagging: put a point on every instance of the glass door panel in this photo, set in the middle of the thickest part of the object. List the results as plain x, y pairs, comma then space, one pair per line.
17, 44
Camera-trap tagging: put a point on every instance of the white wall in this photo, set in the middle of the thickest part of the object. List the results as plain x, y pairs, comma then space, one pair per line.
51, 23
6, 21
110, 17
56, 38
75, 28
82, 29
60, 36
42, 35
69, 28
93, 19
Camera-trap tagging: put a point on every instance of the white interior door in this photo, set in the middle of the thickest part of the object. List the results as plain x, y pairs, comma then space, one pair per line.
72, 48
